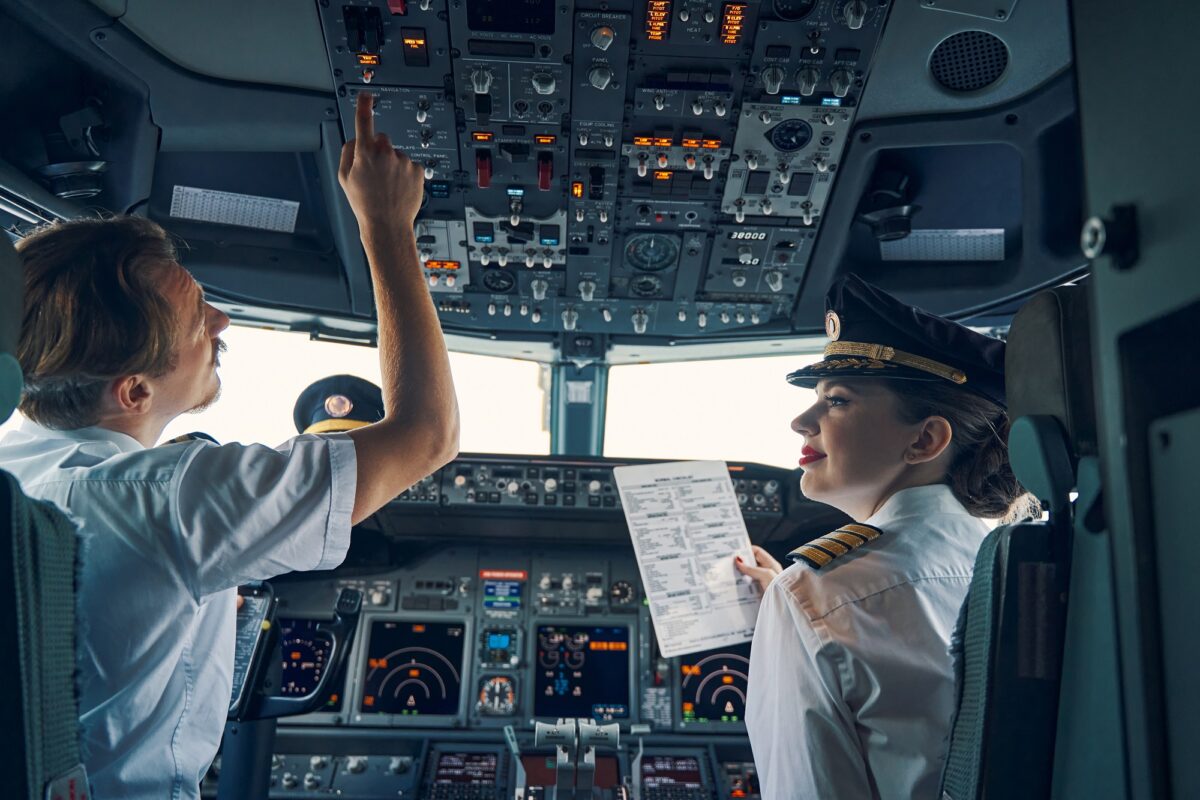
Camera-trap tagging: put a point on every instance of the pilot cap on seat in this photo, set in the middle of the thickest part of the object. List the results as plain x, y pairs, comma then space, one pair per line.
874, 335
338, 403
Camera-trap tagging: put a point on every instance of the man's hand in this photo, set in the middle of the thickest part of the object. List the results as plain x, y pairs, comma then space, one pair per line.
764, 570
384, 187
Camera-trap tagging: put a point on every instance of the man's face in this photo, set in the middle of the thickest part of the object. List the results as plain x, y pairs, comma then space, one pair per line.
192, 384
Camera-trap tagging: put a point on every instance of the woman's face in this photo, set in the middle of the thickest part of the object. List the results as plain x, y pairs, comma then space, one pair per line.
855, 445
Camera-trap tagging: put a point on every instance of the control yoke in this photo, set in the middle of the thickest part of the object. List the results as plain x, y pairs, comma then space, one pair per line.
340, 631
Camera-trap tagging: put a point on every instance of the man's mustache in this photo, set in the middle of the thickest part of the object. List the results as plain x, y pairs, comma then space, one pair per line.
219, 347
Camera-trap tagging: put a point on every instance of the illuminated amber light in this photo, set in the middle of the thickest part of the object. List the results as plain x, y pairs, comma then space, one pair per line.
609, 646
642, 141
663, 141
662, 175
711, 144
296, 655
576, 188
733, 20
689, 706
368, 701
690, 670
439, 265
543, 138
368, 60
414, 42
690, 143
377, 663
416, 673
482, 136
726, 679
418, 628
658, 20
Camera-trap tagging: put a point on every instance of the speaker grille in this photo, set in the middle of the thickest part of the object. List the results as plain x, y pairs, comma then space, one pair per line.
969, 61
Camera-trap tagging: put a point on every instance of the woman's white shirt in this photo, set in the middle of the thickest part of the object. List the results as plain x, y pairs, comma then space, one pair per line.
851, 687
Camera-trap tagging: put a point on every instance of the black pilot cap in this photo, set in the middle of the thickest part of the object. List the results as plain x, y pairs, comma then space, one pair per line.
874, 335
338, 403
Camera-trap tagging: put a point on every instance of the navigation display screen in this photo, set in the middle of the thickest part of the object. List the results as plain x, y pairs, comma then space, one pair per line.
511, 16
474, 769
582, 671
713, 685
683, 771
413, 668
305, 654
502, 594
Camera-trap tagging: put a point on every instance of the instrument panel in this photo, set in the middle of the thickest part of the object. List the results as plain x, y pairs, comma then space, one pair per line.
644, 167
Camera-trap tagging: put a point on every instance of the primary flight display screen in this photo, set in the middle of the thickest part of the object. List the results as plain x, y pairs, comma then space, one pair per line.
582, 671
305, 654
713, 685
413, 668
511, 16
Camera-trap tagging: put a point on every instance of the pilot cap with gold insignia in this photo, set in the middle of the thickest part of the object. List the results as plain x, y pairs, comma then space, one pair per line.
874, 335
338, 403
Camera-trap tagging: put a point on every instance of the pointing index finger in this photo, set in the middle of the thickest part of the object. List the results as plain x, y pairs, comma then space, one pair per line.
364, 120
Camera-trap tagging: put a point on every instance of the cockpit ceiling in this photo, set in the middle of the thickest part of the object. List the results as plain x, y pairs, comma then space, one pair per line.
645, 174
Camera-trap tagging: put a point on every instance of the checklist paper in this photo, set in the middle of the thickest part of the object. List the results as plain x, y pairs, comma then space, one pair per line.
686, 528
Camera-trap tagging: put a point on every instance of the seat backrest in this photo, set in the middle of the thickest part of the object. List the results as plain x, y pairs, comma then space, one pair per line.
1008, 644
37, 607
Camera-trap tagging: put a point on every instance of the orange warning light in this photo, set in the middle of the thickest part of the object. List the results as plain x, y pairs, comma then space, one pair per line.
543, 138
368, 60
658, 20
368, 701
726, 679
482, 136
689, 707
442, 264
733, 20
414, 673
296, 655
711, 144
663, 141
663, 175
690, 143
576, 188
691, 670
642, 141
418, 628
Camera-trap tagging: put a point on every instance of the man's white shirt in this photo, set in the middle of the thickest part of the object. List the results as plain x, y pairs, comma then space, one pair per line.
166, 536
851, 687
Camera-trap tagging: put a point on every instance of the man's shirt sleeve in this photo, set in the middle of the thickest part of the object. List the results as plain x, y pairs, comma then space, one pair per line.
244, 513
801, 730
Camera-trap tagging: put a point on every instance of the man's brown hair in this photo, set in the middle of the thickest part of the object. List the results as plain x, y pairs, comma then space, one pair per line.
92, 313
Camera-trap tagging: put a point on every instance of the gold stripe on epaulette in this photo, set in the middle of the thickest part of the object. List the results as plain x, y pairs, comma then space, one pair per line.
815, 557
833, 545
882, 352
824, 549
868, 531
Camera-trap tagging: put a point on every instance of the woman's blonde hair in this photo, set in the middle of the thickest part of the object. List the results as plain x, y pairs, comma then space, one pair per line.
980, 474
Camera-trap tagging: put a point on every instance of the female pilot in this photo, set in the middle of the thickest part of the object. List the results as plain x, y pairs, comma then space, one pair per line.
851, 687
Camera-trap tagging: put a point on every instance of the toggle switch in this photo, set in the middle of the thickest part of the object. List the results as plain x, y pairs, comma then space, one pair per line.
545, 170
483, 168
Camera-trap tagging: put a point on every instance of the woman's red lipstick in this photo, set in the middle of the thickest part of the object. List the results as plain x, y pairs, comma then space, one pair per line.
809, 455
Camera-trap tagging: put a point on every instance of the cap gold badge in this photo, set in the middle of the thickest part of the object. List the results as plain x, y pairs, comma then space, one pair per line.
833, 325
338, 405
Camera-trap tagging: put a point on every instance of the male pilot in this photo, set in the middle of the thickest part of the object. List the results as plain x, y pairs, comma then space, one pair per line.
117, 340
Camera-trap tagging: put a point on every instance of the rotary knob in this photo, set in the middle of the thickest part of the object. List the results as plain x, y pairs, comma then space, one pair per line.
378, 597
745, 254
600, 77
774, 280
593, 487
855, 13
771, 488
512, 488
594, 594
570, 318
738, 277
568, 583
543, 83
640, 321
481, 80
539, 286
356, 764
808, 78
312, 781
550, 485
318, 762
841, 81
587, 291
289, 781
772, 78
603, 37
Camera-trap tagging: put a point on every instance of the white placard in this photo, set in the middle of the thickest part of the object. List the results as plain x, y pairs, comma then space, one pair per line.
231, 208
686, 528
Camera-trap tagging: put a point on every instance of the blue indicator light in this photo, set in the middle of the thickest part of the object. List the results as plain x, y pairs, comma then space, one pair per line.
831, 101
516, 191
550, 242
485, 239
499, 641
790, 100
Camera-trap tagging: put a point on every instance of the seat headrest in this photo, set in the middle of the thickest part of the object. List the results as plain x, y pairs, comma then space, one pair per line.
1048, 365
11, 292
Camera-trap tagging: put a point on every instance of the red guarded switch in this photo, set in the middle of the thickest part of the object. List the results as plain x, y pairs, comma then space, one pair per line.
483, 168
399, 8
545, 170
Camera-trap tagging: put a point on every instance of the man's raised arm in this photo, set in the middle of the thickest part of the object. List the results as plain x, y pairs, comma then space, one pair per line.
419, 432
